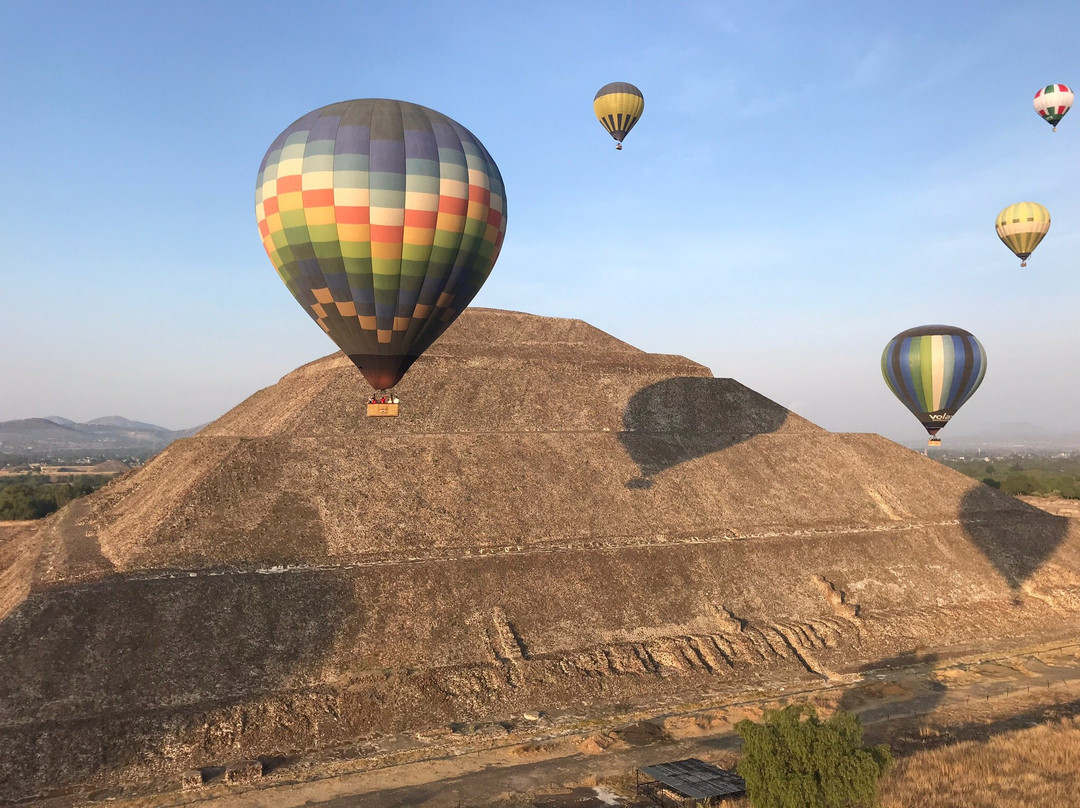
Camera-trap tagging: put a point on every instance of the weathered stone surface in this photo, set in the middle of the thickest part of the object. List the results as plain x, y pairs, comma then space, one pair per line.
191, 780
243, 772
555, 518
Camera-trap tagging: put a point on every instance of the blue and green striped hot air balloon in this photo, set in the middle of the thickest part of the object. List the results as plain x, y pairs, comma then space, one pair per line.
933, 370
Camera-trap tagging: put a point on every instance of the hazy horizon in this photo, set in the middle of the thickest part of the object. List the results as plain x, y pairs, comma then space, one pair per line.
805, 183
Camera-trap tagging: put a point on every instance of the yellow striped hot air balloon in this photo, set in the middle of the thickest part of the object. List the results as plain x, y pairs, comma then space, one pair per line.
1022, 226
618, 106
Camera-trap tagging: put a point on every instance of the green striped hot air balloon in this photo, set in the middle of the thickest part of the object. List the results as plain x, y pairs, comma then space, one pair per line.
933, 370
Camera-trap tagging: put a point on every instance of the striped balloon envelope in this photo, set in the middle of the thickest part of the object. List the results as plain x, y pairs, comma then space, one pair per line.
383, 218
1021, 227
933, 370
1052, 102
618, 106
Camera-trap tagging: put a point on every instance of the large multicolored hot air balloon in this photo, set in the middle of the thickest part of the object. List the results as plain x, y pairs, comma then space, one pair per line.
933, 370
384, 219
1022, 226
1052, 102
618, 106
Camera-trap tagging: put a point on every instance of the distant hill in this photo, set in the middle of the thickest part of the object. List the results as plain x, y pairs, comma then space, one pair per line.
124, 423
110, 467
111, 436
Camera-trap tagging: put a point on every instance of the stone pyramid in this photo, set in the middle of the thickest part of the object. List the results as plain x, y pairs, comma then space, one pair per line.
556, 518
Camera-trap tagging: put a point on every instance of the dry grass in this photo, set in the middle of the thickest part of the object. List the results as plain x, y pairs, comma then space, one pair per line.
1029, 767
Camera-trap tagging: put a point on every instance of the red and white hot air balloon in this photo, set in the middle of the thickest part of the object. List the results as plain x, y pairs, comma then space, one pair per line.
1052, 102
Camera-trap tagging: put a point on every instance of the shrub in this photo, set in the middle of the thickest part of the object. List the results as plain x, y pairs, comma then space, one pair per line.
795, 760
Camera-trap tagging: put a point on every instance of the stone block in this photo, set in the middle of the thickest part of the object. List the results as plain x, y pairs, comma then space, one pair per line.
191, 780
245, 771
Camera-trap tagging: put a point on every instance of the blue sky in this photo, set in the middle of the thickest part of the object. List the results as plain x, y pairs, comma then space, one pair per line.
808, 179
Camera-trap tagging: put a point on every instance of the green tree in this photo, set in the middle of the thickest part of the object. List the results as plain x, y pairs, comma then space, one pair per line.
1018, 483
25, 502
1061, 484
795, 760
32, 496
990, 481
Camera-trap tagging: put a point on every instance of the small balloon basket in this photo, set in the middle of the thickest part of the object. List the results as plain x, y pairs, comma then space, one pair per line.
382, 405
382, 410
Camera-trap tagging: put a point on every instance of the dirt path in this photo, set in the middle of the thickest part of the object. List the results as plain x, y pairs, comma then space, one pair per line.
911, 707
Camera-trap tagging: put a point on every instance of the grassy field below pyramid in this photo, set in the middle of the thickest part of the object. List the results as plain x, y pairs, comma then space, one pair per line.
556, 519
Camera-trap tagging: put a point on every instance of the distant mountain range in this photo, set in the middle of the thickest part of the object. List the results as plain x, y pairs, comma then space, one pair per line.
57, 438
111, 436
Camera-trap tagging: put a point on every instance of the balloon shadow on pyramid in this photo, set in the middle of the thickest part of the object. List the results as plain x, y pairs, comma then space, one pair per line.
880, 697
1015, 537
683, 418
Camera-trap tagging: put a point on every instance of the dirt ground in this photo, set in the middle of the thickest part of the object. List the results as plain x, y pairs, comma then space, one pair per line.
572, 760
1058, 506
